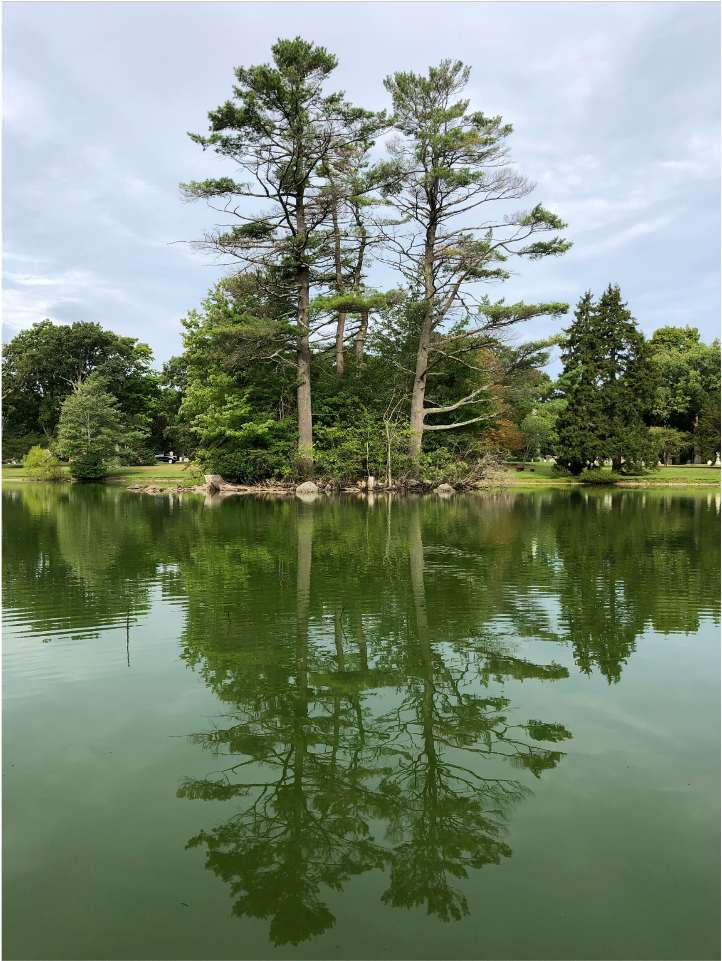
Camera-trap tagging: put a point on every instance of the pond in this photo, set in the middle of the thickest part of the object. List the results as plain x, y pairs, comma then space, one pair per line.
352, 727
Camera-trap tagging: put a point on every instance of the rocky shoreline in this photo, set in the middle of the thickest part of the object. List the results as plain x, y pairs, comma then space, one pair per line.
215, 484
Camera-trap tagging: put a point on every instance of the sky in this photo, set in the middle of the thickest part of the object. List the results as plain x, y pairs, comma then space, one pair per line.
615, 109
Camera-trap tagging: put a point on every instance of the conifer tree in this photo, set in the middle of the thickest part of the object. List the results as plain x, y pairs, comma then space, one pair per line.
91, 430
608, 382
456, 162
283, 131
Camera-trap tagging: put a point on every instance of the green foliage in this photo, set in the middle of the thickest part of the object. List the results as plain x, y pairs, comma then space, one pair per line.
669, 442
536, 431
88, 468
42, 365
90, 430
708, 428
41, 463
598, 476
14, 447
608, 383
688, 387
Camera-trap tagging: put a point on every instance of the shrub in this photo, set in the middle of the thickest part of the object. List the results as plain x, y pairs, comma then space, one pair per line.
88, 469
41, 463
596, 475
636, 470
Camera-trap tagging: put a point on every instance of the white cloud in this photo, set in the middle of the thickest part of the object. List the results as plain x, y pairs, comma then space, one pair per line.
615, 107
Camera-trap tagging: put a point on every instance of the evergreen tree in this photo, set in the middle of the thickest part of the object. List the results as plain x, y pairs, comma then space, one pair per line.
283, 132
90, 430
608, 382
454, 163
629, 380
580, 427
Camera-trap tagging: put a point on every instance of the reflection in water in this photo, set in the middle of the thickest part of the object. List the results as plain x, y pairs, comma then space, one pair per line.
319, 761
361, 652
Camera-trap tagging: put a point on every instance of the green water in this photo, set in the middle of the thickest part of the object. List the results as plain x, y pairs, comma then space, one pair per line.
483, 727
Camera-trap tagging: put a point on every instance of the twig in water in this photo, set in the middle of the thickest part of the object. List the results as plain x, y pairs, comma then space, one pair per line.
342, 610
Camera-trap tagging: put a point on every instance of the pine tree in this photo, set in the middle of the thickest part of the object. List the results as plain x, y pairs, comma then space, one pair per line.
628, 379
580, 427
283, 132
455, 162
608, 382
91, 429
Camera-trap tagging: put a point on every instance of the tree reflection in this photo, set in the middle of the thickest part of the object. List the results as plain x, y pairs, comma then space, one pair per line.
305, 823
315, 764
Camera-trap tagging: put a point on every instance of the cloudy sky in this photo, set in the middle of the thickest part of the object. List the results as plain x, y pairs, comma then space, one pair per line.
615, 108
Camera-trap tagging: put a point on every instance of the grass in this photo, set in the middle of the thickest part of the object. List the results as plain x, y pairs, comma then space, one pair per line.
542, 475
176, 473
684, 474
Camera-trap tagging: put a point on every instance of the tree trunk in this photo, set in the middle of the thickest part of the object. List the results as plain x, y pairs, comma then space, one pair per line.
341, 322
616, 463
697, 445
418, 393
360, 342
303, 374
340, 328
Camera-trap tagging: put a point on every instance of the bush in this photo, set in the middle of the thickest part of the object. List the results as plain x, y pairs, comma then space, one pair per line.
41, 463
88, 469
596, 475
636, 470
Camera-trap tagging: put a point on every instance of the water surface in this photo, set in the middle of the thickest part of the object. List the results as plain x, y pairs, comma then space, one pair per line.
477, 727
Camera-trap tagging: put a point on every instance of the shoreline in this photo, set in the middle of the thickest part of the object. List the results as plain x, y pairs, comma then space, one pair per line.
164, 486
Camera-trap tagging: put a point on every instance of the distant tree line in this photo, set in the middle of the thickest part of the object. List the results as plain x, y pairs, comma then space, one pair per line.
295, 367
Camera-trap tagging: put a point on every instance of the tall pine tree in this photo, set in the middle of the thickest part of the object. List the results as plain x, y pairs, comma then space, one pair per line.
283, 132
608, 381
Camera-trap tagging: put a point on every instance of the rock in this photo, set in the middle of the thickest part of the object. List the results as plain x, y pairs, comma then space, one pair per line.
361, 485
214, 482
413, 483
308, 487
444, 489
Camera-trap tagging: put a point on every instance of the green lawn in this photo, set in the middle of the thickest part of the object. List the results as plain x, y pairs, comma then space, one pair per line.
533, 474
686, 474
176, 473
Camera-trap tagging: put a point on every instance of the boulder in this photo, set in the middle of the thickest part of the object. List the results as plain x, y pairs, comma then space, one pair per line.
214, 482
308, 487
444, 489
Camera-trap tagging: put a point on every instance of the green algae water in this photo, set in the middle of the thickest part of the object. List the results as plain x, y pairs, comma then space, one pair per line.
477, 727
